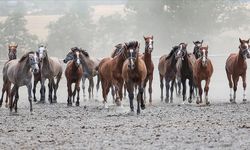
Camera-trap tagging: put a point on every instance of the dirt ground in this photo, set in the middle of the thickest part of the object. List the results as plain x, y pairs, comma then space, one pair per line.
161, 126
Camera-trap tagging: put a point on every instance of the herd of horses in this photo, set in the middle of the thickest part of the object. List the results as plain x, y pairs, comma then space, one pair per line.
126, 69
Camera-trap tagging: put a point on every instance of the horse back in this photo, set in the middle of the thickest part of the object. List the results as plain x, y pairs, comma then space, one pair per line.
55, 65
162, 65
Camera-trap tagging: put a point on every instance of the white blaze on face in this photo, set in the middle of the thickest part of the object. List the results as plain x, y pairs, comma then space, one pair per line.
203, 56
179, 51
150, 44
41, 49
77, 58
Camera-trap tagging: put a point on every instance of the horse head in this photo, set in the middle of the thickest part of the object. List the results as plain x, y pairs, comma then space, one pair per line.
181, 51
204, 51
149, 44
132, 50
12, 51
42, 51
32, 60
73, 55
197, 45
244, 48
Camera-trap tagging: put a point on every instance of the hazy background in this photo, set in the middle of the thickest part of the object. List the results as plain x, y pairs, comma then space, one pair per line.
98, 25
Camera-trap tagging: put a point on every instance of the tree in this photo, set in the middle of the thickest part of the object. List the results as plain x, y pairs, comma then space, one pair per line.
13, 30
75, 28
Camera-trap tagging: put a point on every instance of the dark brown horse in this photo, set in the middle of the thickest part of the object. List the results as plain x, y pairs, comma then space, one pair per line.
203, 71
149, 46
134, 72
167, 70
19, 73
196, 51
73, 73
7, 86
185, 70
236, 66
110, 72
50, 68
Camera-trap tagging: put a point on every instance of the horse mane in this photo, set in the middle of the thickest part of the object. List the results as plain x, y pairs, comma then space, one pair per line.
25, 56
132, 44
84, 52
172, 52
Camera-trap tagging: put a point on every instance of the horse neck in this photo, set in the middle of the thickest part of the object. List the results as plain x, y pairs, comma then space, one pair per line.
45, 60
86, 68
173, 62
240, 59
147, 58
24, 67
120, 60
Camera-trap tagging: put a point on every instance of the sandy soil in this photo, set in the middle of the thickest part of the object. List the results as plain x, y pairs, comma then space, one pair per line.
162, 126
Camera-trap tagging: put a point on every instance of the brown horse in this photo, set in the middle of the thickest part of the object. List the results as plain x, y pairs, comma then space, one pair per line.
73, 73
110, 72
18, 72
6, 87
236, 66
134, 72
203, 70
149, 46
50, 68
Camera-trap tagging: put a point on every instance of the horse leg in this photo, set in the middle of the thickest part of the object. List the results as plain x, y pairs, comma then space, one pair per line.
34, 89
78, 92
167, 89
199, 98
173, 83
83, 86
125, 90
150, 88
69, 102
120, 89
104, 92
50, 85
230, 85
244, 87
191, 90
55, 87
13, 92
130, 89
161, 86
29, 87
140, 100
16, 99
183, 81
113, 93
3, 91
42, 91
90, 89
144, 87
206, 91
6, 87
235, 81
97, 86
179, 87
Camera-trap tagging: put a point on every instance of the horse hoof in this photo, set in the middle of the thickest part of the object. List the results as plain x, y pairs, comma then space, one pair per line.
138, 112
118, 103
197, 102
167, 100
244, 100
143, 107
69, 104
208, 103
190, 100
77, 103
232, 101
35, 100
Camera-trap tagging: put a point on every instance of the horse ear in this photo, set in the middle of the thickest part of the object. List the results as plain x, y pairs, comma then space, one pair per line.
240, 40
152, 37
248, 41
201, 41
194, 43
144, 37
207, 47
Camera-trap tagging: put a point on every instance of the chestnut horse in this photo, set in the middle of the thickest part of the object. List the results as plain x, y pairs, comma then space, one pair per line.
19, 73
110, 72
134, 72
149, 46
236, 66
73, 73
167, 70
7, 86
203, 70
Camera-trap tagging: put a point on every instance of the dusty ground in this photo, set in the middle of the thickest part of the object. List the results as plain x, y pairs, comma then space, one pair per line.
162, 126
